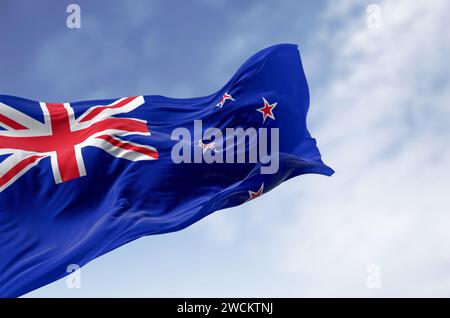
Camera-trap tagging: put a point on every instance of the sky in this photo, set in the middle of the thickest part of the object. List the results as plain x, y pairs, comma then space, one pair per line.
380, 111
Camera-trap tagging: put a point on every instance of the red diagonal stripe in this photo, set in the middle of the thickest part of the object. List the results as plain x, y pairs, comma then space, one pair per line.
127, 146
17, 169
11, 123
97, 110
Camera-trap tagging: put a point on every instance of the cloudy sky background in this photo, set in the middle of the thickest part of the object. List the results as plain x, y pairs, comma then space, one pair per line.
380, 110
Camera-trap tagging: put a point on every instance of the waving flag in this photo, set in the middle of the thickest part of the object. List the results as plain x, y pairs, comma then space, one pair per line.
78, 180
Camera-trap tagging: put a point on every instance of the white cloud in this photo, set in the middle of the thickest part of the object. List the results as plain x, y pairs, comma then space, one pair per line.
385, 131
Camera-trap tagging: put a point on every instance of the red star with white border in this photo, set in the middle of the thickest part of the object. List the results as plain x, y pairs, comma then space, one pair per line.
224, 98
267, 110
254, 195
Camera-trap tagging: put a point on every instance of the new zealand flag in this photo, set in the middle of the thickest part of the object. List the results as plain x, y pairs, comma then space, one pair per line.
78, 180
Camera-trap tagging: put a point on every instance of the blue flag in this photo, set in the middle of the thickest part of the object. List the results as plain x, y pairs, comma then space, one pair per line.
78, 180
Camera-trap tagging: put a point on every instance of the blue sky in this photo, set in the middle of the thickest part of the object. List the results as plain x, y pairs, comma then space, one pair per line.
380, 103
